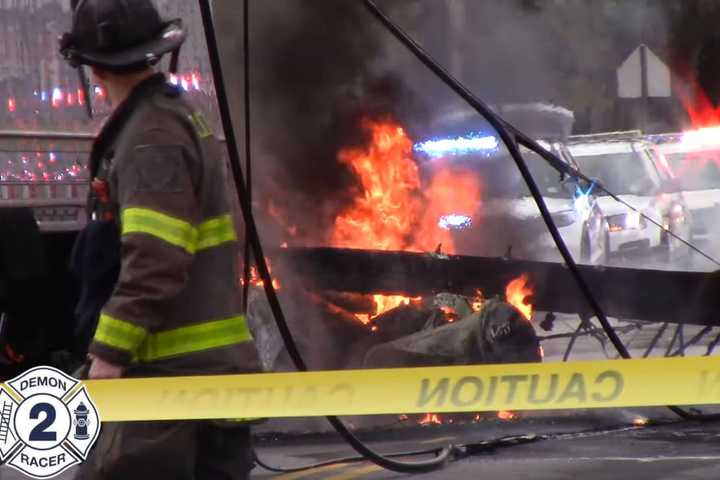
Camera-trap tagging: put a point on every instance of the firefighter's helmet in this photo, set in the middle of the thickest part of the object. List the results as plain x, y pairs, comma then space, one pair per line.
119, 35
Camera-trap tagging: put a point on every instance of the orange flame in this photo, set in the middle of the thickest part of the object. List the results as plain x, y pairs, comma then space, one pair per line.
478, 301
450, 313
392, 209
507, 415
385, 210
255, 279
384, 303
516, 293
640, 421
430, 419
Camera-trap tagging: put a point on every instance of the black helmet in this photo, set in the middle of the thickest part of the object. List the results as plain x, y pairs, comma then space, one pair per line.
119, 35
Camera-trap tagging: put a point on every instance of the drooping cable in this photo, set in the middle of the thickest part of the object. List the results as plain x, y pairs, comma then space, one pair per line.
262, 267
512, 137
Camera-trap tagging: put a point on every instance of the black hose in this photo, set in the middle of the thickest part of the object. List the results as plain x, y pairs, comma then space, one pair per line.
254, 239
248, 163
340, 460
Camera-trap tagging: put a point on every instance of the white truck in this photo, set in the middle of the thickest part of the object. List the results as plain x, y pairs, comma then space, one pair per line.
631, 168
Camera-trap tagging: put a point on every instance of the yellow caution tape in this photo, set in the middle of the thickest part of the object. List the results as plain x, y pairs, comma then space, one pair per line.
548, 386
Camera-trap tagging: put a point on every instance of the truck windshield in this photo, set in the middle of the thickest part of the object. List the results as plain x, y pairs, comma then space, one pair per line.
621, 173
696, 172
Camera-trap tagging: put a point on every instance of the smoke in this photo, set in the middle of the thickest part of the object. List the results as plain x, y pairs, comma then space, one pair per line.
565, 53
315, 75
319, 67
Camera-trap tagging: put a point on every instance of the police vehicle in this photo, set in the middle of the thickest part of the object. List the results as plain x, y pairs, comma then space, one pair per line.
633, 169
694, 156
507, 219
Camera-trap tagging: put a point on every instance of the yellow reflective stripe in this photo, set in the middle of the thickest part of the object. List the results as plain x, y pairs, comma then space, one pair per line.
119, 334
210, 233
215, 232
172, 230
196, 338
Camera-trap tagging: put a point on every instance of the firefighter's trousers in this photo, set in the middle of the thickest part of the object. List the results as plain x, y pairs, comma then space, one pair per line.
188, 450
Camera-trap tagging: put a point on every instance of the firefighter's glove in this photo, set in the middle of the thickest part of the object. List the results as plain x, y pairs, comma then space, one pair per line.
101, 370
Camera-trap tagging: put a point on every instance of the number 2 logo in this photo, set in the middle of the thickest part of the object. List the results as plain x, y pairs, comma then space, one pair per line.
40, 433
43, 422
48, 422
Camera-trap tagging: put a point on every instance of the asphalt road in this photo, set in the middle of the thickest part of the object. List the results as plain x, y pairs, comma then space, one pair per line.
593, 445
676, 451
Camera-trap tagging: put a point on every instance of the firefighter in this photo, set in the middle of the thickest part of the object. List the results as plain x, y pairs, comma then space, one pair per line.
160, 182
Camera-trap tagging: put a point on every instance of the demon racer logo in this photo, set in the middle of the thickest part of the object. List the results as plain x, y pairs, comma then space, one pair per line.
47, 423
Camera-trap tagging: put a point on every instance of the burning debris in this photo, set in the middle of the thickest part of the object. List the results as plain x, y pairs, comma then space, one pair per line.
384, 303
255, 279
640, 421
516, 294
507, 415
396, 206
431, 419
498, 333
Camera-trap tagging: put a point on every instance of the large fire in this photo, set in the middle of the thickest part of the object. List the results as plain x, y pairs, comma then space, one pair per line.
516, 294
393, 210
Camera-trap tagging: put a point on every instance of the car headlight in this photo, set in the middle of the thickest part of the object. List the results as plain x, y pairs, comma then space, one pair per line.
626, 221
564, 218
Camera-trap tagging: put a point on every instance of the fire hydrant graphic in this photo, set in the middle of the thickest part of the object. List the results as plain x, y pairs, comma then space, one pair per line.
81, 422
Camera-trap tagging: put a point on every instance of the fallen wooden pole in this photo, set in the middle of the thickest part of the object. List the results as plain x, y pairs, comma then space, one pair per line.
650, 295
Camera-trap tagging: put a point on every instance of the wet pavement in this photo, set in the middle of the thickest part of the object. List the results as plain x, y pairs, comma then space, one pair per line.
677, 451
592, 444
